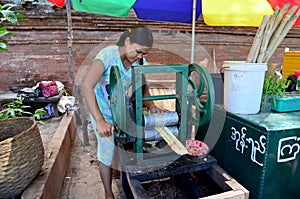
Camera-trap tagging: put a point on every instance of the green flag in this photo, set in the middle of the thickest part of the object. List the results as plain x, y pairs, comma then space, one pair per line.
116, 8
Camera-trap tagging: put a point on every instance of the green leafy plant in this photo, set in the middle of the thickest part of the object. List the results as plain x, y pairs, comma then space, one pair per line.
273, 87
16, 108
38, 113
8, 16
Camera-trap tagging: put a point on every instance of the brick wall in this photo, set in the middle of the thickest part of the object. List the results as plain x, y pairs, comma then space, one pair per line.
39, 51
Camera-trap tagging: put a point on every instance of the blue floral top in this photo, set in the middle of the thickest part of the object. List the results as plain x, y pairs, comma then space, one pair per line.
110, 56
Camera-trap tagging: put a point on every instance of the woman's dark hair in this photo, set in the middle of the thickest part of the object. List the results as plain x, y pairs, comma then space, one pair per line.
140, 35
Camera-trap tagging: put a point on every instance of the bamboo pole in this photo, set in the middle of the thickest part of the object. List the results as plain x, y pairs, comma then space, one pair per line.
257, 41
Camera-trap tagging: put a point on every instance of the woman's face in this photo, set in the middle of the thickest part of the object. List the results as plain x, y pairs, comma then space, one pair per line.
134, 51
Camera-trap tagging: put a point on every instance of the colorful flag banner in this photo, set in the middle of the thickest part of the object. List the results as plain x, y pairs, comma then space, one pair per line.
59, 3
116, 8
167, 10
235, 12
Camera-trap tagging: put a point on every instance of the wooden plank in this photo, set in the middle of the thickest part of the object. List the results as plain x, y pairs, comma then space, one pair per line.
235, 185
136, 188
219, 176
226, 182
48, 183
238, 194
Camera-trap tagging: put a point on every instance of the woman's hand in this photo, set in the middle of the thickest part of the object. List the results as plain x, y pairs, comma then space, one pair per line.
104, 129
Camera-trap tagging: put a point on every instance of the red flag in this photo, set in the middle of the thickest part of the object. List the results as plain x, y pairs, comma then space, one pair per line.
59, 3
281, 3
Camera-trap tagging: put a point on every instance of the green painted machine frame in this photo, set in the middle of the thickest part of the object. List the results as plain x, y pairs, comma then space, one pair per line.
189, 106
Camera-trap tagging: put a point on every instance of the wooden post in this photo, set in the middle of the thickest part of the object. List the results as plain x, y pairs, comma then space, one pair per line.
77, 89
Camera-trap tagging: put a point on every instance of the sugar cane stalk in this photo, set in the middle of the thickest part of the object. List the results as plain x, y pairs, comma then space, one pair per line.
267, 35
257, 40
280, 15
278, 35
282, 24
286, 29
172, 140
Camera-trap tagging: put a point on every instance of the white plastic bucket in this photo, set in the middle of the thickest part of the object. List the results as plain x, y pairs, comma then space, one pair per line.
243, 86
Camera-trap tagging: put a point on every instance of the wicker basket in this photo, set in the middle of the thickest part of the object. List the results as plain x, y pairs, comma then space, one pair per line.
21, 155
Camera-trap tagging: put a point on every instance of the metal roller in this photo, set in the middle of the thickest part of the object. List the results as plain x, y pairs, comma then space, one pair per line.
161, 119
152, 120
152, 134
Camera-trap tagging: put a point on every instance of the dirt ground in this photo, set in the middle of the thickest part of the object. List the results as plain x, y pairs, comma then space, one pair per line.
82, 179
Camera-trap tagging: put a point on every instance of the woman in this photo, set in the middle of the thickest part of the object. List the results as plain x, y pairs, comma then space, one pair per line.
129, 51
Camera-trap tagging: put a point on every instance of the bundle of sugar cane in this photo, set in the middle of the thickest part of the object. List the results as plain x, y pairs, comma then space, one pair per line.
172, 140
271, 32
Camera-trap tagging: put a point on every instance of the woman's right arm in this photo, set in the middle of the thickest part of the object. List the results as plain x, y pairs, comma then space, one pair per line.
93, 75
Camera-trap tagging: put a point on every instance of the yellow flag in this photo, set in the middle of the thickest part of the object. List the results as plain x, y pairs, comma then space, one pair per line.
235, 12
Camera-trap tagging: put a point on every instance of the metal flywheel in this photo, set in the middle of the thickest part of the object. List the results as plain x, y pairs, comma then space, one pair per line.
204, 92
118, 99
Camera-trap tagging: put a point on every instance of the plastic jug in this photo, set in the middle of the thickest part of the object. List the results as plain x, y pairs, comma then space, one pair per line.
297, 74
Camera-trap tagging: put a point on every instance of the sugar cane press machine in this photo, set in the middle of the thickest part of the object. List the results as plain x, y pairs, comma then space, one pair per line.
133, 126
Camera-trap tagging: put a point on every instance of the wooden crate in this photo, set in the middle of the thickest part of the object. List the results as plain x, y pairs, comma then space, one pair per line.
291, 62
232, 189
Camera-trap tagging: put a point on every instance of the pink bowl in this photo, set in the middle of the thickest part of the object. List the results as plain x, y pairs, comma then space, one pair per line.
196, 147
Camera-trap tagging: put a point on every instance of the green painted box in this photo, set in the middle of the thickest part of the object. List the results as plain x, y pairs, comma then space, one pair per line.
260, 151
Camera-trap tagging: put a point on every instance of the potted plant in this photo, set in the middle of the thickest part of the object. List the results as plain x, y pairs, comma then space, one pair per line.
274, 87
